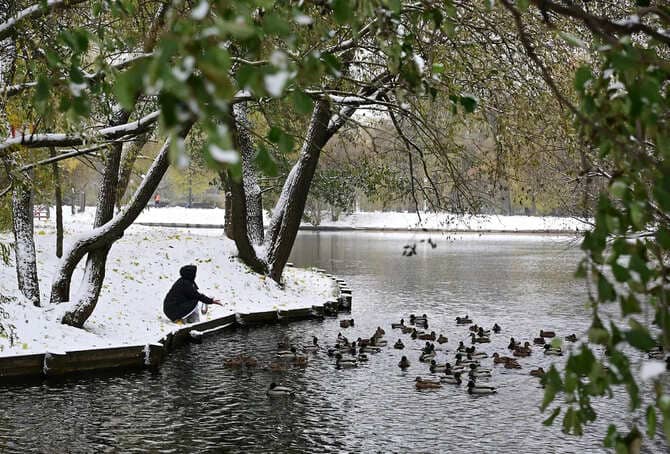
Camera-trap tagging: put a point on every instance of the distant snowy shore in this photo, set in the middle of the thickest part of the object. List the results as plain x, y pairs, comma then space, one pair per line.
390, 221
141, 268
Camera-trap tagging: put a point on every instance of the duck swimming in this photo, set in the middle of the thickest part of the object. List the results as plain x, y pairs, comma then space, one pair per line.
279, 391
547, 333
434, 367
539, 372
452, 379
554, 351
571, 338
399, 345
313, 348
398, 325
463, 320
442, 339
480, 389
404, 363
513, 344
426, 384
496, 328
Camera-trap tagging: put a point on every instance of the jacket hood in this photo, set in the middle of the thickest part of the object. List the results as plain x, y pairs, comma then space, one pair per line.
188, 272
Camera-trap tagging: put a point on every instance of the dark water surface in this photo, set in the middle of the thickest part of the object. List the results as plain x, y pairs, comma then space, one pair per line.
196, 404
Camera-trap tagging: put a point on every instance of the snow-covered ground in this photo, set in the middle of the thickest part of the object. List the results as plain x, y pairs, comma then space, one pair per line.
392, 220
141, 268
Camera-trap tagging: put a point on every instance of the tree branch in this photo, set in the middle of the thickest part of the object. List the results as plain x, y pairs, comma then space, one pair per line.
32, 12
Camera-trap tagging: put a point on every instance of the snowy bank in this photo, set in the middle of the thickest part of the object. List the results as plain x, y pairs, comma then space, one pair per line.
141, 268
390, 221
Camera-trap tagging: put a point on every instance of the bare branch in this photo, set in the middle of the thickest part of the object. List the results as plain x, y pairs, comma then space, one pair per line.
32, 12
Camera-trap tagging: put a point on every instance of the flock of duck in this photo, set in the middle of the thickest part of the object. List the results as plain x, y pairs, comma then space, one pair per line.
467, 363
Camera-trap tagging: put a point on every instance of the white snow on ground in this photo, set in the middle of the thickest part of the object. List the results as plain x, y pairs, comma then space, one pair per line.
392, 220
141, 268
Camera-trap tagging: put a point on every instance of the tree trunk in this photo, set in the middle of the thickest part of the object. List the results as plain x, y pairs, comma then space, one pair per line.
227, 206
58, 195
252, 190
128, 158
101, 239
291, 204
24, 247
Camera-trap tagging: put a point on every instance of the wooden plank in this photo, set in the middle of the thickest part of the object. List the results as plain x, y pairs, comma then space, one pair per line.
21, 366
126, 357
258, 318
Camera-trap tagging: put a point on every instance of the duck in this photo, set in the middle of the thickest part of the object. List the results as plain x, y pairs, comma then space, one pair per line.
539, 341
399, 345
362, 358
346, 323
522, 351
300, 360
656, 354
539, 372
277, 366
431, 337
513, 344
478, 371
461, 347
404, 363
442, 339
434, 367
279, 391
250, 361
414, 319
362, 342
284, 344
547, 333
425, 357
463, 320
497, 359
478, 355
233, 362
416, 334
379, 332
496, 328
480, 389
481, 332
474, 328
554, 351
571, 338
480, 340
426, 384
513, 364
370, 349
342, 362
376, 342
398, 325
452, 379
407, 329
313, 348
287, 353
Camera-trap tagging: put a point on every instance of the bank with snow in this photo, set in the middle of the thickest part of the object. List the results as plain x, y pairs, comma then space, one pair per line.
141, 268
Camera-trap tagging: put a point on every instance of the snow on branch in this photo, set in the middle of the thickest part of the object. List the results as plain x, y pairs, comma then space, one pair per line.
12, 90
32, 12
64, 139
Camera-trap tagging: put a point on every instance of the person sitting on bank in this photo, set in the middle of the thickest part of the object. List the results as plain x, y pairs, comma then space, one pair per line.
181, 302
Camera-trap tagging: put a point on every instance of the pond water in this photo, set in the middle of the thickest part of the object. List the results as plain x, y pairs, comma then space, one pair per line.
196, 404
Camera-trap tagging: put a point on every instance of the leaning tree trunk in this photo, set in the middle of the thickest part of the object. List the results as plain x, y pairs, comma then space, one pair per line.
227, 207
102, 238
58, 195
288, 212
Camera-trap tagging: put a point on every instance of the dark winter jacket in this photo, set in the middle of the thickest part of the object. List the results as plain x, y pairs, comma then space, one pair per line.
183, 297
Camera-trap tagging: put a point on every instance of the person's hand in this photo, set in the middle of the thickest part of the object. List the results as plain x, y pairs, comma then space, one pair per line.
217, 302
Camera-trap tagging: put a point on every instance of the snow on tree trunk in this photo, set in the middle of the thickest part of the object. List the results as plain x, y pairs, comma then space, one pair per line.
252, 190
227, 206
24, 246
291, 204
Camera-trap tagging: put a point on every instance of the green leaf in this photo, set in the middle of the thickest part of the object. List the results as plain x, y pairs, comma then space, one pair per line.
651, 421
640, 338
605, 289
469, 102
663, 238
620, 273
629, 305
582, 76
550, 420
302, 102
343, 11
265, 162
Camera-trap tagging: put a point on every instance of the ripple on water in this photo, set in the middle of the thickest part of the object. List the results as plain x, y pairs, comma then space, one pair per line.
196, 404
